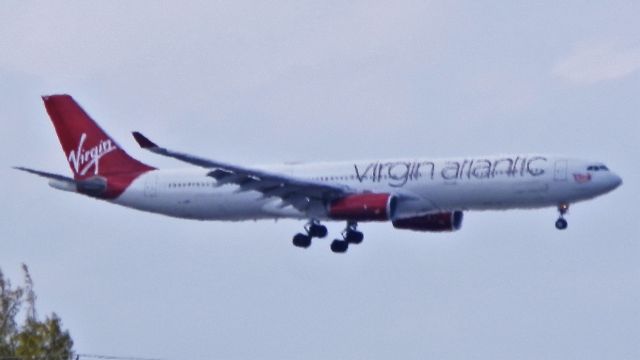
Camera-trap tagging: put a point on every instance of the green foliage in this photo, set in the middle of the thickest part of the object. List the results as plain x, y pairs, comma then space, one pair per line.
33, 340
10, 301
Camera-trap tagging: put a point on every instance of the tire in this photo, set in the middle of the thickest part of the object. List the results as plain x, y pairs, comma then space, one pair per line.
354, 237
339, 246
301, 241
318, 231
561, 224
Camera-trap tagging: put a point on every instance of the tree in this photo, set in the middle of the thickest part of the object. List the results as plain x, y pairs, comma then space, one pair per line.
10, 302
33, 340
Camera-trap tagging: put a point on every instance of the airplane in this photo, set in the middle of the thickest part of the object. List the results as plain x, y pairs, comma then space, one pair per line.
428, 195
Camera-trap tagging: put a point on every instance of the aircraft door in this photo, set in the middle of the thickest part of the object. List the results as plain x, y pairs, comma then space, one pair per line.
560, 170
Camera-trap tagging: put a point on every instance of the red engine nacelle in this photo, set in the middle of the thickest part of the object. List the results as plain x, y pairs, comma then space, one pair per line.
363, 207
447, 221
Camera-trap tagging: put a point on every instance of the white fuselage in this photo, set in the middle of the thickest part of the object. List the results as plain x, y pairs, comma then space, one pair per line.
425, 185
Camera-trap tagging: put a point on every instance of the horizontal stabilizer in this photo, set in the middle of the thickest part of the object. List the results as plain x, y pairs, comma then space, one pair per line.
94, 186
47, 175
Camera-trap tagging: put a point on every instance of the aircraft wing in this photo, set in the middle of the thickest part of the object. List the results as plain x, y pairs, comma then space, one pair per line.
300, 193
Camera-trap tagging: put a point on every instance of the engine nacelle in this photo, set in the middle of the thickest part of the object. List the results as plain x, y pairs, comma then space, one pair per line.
363, 207
447, 221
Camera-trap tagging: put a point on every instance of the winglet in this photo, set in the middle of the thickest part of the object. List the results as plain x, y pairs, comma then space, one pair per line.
143, 141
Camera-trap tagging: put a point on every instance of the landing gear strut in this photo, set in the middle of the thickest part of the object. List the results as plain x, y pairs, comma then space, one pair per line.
312, 229
561, 223
350, 235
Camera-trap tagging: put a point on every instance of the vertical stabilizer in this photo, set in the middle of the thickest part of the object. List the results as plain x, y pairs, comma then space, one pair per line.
88, 149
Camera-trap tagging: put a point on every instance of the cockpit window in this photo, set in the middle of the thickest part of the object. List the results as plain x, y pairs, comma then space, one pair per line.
597, 168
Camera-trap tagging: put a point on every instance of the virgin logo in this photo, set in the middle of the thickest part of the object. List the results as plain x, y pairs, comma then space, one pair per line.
82, 159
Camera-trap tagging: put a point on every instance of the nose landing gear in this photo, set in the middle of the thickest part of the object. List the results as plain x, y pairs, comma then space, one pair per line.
561, 223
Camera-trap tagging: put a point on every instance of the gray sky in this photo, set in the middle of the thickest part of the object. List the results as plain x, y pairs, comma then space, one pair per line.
282, 81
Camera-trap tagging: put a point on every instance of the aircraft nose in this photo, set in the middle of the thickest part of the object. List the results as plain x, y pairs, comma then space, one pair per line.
615, 181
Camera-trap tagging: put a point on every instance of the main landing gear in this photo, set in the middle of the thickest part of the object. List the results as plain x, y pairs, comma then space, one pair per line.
350, 235
312, 229
561, 223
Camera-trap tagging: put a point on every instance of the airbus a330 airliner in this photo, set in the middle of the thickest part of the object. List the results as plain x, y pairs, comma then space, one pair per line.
414, 194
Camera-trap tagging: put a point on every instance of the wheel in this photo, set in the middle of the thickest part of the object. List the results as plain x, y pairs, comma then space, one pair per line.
301, 240
561, 224
339, 246
318, 231
354, 237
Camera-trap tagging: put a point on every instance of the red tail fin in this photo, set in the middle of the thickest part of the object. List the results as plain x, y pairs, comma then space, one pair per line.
89, 150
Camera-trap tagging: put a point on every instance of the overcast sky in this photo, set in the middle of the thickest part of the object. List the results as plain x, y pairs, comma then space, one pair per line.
328, 80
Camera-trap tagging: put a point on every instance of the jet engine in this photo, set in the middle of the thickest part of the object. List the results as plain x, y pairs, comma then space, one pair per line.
438, 222
363, 207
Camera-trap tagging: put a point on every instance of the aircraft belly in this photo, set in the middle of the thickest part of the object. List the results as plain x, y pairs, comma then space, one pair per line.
202, 204
489, 195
